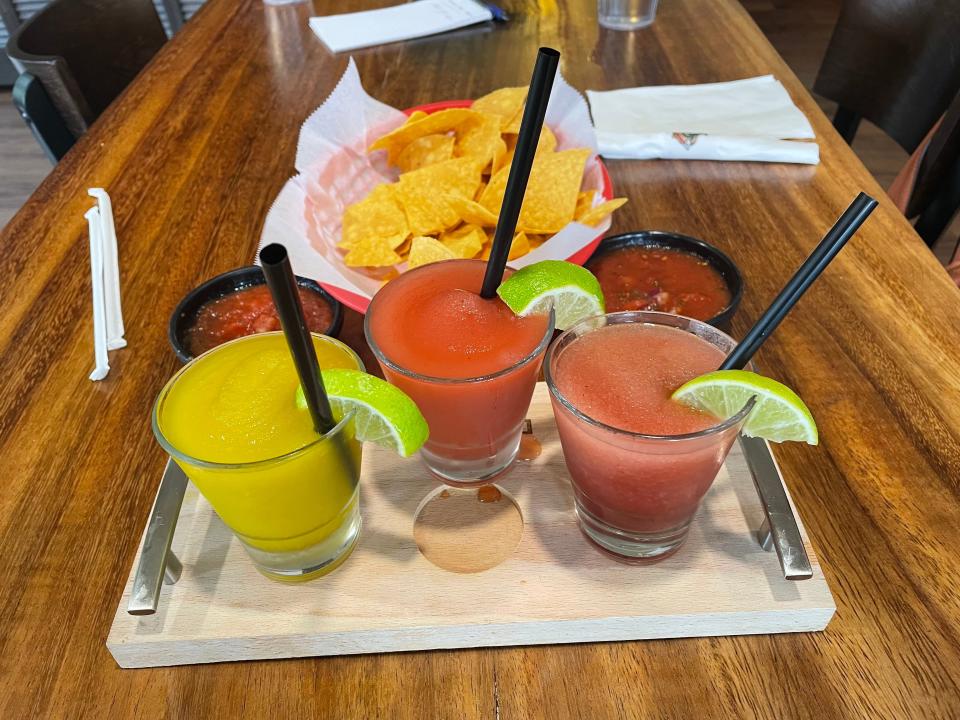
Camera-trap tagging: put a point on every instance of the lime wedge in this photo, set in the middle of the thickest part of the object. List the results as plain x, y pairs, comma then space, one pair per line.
571, 290
779, 414
385, 415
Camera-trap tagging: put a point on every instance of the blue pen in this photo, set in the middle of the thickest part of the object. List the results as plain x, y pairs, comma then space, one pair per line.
498, 14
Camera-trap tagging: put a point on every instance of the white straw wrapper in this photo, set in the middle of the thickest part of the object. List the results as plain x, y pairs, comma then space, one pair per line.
99, 310
111, 270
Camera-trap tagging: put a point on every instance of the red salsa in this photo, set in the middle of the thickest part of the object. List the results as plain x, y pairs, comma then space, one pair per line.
249, 311
652, 278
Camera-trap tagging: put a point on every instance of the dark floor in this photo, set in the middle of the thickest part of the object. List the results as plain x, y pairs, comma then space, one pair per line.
22, 164
798, 29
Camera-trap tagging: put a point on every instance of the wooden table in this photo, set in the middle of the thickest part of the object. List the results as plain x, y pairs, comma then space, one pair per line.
194, 153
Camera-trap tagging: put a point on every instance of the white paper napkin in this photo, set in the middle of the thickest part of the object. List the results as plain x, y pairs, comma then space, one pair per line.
350, 31
752, 119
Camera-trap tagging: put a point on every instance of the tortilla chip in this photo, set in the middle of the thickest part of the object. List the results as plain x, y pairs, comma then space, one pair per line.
471, 211
551, 196
595, 215
584, 202
425, 250
458, 176
439, 122
480, 138
513, 124
546, 143
426, 215
371, 254
519, 246
465, 241
506, 160
378, 216
427, 150
403, 248
505, 103
422, 192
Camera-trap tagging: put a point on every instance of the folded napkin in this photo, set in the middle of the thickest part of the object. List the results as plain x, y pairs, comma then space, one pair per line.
752, 119
350, 31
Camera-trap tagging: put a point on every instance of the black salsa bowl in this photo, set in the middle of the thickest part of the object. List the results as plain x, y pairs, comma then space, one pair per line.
716, 258
185, 314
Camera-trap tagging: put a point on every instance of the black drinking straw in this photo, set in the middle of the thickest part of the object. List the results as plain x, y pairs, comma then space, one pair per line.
803, 278
283, 288
537, 97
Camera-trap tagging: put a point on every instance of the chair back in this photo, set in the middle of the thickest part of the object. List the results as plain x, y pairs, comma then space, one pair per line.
43, 119
85, 52
894, 62
928, 185
939, 162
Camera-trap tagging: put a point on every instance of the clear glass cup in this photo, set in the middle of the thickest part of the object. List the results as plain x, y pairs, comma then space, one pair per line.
475, 422
297, 514
626, 14
635, 494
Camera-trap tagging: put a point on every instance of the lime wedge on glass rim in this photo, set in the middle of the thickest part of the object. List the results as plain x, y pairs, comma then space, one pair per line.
384, 414
572, 291
778, 416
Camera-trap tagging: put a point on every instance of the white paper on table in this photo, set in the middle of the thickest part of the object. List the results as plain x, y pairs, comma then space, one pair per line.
350, 31
334, 170
748, 120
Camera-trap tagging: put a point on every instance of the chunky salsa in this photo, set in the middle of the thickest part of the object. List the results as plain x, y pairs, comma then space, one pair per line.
653, 278
248, 311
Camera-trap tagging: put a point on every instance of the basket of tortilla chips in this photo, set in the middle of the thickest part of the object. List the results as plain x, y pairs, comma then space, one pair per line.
380, 191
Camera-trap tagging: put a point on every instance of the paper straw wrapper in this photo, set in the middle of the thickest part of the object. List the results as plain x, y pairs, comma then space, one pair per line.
334, 170
111, 270
105, 283
102, 363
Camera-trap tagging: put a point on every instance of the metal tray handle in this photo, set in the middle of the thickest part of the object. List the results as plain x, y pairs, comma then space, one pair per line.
157, 562
779, 531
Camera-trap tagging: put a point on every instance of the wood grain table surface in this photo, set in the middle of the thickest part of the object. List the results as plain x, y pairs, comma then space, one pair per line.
193, 154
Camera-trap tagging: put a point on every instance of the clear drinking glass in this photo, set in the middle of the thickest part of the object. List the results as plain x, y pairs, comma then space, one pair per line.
636, 494
626, 14
296, 514
475, 422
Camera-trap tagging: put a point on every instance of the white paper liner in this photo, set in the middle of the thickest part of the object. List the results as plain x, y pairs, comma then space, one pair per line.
334, 170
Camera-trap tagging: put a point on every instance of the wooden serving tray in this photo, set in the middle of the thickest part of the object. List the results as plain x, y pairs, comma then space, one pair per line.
553, 586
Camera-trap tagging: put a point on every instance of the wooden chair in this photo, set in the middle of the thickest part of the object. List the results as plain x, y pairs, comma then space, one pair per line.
85, 52
895, 63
